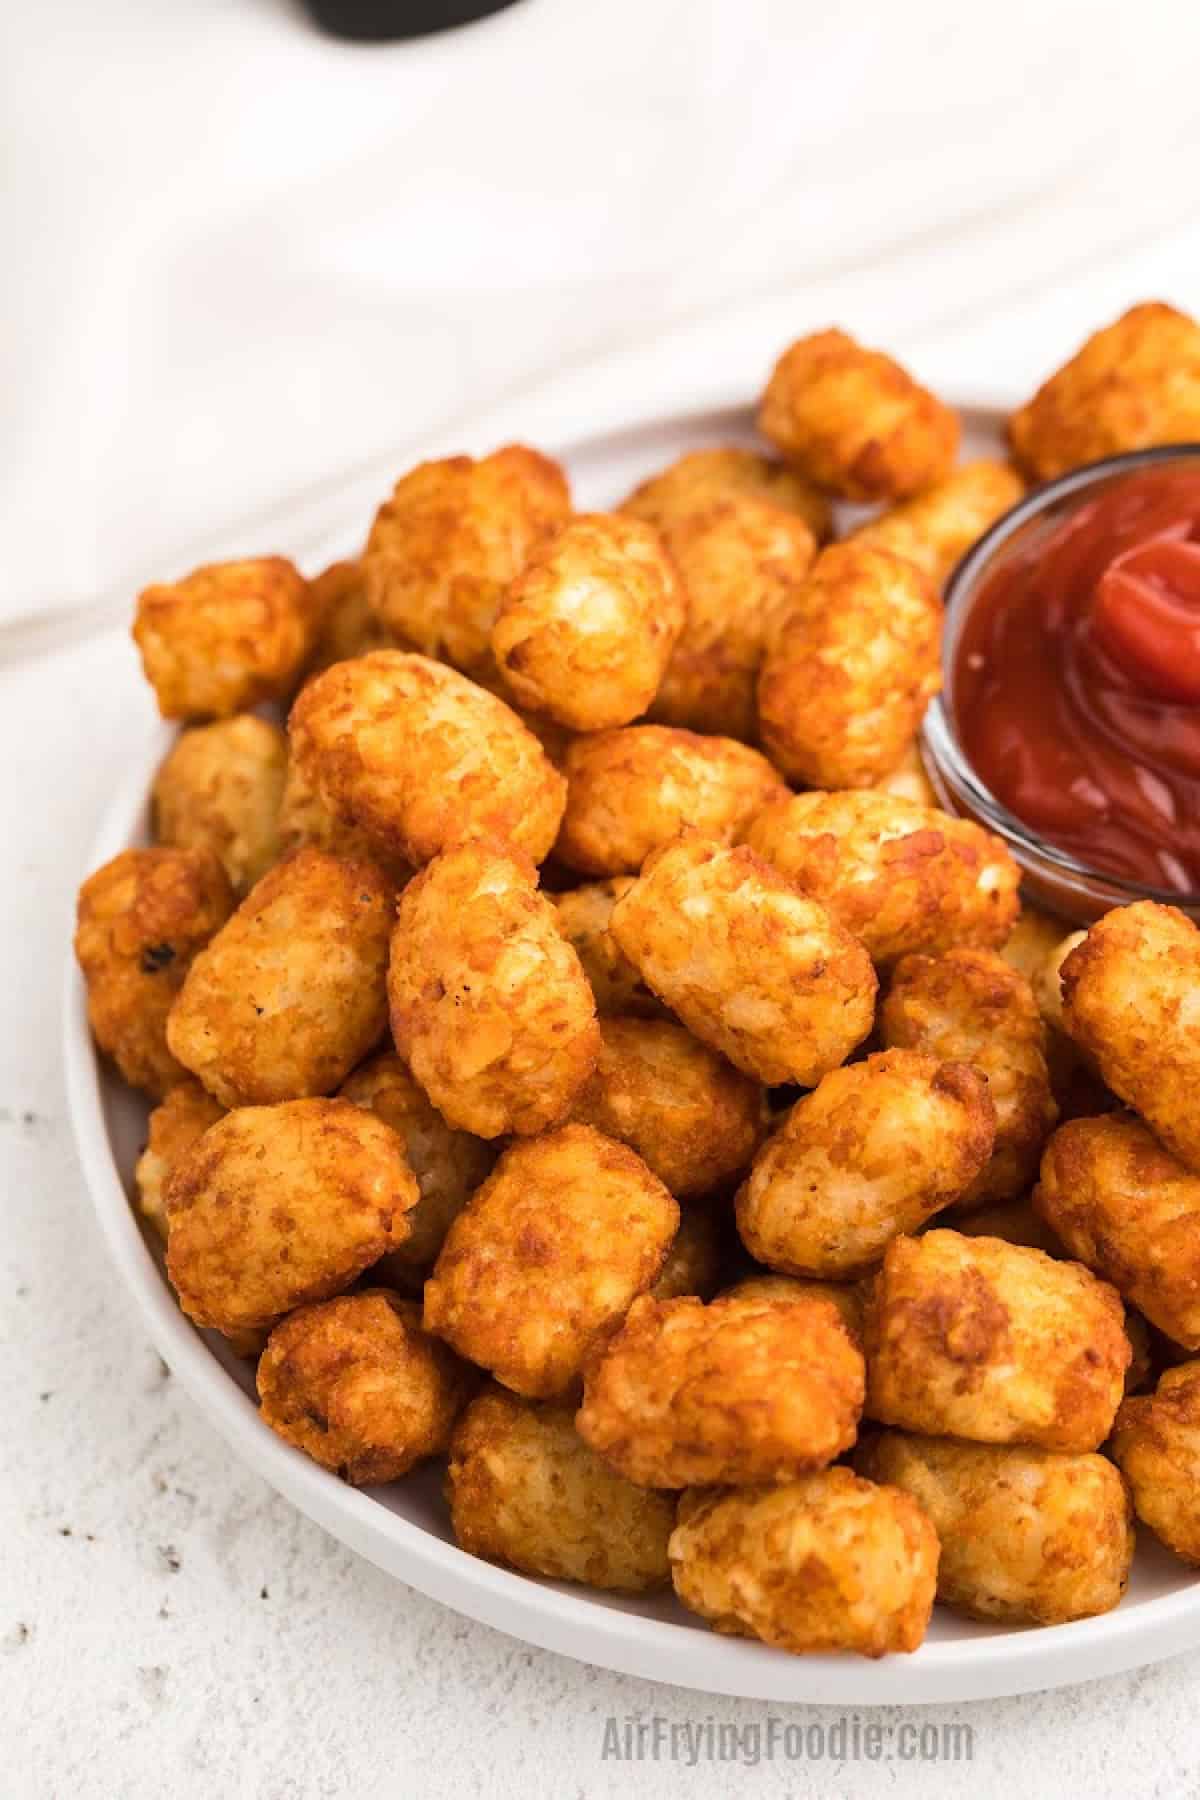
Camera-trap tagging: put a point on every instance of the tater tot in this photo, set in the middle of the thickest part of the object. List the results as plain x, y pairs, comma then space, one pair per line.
1029, 1537
587, 628
276, 1206
226, 637
418, 757
1131, 1211
847, 1296
292, 992
525, 1490
854, 421
699, 477
357, 1385
875, 1150
490, 1006
219, 788
1013, 1220
1134, 384
141, 920
845, 683
983, 1340
446, 545
583, 916
1156, 1446
753, 967
937, 527
449, 1165
738, 1391
630, 791
1034, 937
908, 779
545, 1260
741, 562
693, 1263
304, 818
348, 628
826, 1563
692, 1118
970, 1006
177, 1121
1131, 1001
900, 876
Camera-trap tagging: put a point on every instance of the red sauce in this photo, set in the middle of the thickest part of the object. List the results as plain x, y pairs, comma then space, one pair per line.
1076, 681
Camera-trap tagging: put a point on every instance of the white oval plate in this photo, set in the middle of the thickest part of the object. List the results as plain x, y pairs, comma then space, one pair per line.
404, 1528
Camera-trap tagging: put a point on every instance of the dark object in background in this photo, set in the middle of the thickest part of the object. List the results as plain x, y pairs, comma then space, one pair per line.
378, 21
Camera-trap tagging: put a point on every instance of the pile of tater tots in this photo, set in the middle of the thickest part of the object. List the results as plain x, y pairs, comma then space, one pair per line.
581, 1050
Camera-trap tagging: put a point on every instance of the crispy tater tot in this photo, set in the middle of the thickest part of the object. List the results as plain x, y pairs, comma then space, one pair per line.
741, 562
900, 876
279, 1205
854, 421
938, 526
525, 1490
304, 818
693, 1263
219, 788
490, 1006
983, 1340
970, 1006
141, 920
1034, 936
847, 1296
1047, 980
631, 790
419, 757
1016, 1222
348, 626
454, 534
908, 780
876, 1149
1131, 1211
692, 1118
1030, 1537
738, 1391
1131, 1001
545, 1260
177, 1121
291, 993
226, 637
752, 966
700, 477
825, 1563
357, 1385
587, 628
846, 680
1156, 1446
449, 1165
1133, 384
583, 916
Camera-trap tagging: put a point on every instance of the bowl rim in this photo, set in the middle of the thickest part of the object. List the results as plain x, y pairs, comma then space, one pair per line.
939, 736
571, 1622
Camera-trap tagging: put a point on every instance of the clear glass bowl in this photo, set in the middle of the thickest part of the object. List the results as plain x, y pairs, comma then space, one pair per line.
1053, 878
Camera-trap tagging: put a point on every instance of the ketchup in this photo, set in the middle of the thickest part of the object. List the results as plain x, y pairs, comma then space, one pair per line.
1076, 680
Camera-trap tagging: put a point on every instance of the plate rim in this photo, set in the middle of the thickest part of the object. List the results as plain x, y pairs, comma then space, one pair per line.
548, 1615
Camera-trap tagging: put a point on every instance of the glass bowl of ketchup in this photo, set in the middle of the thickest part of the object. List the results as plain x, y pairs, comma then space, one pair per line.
1069, 720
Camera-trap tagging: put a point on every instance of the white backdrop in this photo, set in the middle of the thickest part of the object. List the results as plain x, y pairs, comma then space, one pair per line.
240, 257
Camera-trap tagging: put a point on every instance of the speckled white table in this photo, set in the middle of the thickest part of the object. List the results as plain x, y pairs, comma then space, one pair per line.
168, 1626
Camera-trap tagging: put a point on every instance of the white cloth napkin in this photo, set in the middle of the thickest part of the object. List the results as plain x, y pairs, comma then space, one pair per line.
241, 259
